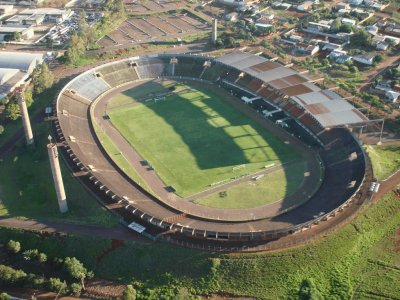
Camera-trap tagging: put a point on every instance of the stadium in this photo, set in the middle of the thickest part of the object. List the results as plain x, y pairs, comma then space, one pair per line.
231, 151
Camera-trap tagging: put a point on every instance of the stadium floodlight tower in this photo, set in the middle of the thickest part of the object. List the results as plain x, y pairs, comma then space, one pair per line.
57, 177
24, 116
214, 34
173, 62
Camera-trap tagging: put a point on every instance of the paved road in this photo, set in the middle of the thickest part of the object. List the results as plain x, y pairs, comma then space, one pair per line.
118, 232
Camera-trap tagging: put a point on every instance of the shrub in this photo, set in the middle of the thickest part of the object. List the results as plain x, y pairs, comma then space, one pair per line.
129, 293
42, 257
56, 285
35, 281
76, 270
5, 296
10, 276
13, 246
76, 289
1, 129
31, 254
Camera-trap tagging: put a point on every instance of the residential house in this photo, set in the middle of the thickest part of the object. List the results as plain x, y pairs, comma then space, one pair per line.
356, 2
342, 5
366, 59
306, 49
6, 31
382, 46
348, 21
392, 96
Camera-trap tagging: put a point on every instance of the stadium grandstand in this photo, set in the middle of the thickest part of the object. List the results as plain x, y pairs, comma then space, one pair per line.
317, 118
15, 68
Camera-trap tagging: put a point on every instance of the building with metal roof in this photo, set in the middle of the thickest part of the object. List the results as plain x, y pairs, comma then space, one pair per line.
6, 74
20, 60
15, 68
324, 106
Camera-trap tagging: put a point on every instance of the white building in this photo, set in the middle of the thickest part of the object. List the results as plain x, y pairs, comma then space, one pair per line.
15, 68
8, 31
365, 59
349, 21
392, 96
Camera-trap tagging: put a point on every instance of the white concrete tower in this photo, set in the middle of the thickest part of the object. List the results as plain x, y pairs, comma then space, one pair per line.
57, 177
25, 116
214, 33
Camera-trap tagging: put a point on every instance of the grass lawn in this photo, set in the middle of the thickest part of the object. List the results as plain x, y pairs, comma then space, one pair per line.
146, 90
119, 159
194, 139
27, 190
271, 188
359, 261
385, 159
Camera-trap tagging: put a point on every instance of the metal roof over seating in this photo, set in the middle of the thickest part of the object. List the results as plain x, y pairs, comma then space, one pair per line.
325, 106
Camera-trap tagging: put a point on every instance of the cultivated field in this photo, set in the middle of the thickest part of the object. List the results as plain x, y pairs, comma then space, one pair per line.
194, 140
154, 28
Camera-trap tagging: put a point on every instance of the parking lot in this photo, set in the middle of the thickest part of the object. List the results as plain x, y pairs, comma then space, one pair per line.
154, 28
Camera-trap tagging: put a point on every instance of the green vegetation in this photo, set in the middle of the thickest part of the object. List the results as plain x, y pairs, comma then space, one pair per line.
85, 38
385, 159
194, 139
359, 261
269, 189
35, 103
26, 187
14, 272
129, 293
361, 39
13, 246
119, 159
42, 79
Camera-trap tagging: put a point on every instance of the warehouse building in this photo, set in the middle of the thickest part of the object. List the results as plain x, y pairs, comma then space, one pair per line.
15, 68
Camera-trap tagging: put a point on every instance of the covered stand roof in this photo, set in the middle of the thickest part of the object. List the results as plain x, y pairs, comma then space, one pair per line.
20, 60
327, 107
6, 74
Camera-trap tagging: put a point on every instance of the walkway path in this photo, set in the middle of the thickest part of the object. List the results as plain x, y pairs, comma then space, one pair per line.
118, 232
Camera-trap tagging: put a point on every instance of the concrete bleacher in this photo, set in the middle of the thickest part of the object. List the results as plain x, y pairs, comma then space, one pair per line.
153, 68
118, 73
310, 123
120, 77
214, 72
89, 86
255, 84
189, 67
232, 75
245, 81
293, 109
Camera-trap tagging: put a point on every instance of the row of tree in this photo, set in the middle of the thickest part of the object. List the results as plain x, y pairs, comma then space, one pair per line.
73, 269
86, 36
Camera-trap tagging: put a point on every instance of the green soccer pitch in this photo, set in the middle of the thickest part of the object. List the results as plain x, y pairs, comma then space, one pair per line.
193, 138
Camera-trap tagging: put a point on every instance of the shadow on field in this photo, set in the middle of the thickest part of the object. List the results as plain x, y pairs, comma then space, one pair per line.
214, 133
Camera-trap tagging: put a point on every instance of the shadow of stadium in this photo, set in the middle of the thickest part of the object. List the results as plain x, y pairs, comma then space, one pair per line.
213, 133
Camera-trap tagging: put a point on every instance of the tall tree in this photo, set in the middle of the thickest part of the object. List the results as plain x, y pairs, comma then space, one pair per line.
361, 39
43, 79
75, 49
76, 270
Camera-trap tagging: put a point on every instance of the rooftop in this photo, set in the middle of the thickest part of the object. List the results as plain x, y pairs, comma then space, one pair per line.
327, 107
